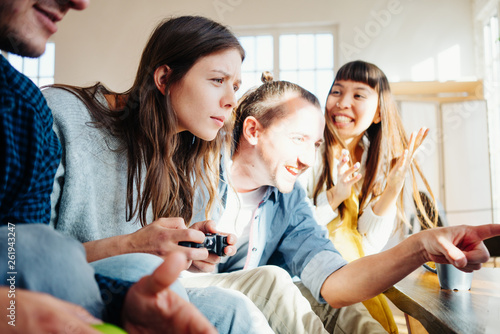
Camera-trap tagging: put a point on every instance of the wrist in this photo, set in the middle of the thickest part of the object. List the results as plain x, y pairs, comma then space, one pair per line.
393, 190
332, 199
126, 244
416, 248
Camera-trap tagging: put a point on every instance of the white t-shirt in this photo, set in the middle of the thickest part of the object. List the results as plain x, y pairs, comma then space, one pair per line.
239, 211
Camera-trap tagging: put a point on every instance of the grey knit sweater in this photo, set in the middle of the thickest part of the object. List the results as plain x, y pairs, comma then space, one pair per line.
89, 194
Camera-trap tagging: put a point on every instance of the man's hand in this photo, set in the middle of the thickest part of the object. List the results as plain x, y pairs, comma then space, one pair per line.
208, 264
42, 313
151, 307
371, 275
461, 246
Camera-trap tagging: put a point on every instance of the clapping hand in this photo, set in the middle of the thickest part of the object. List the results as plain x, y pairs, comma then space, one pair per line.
396, 177
347, 176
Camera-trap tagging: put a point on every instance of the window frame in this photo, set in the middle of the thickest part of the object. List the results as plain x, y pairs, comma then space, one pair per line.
296, 29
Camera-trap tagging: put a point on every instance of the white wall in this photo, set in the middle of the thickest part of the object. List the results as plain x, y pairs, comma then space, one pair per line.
105, 41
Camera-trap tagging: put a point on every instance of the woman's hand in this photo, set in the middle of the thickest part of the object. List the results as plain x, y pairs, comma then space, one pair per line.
397, 175
346, 178
162, 237
208, 264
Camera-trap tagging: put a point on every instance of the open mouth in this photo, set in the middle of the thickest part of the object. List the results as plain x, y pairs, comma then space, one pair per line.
292, 170
342, 119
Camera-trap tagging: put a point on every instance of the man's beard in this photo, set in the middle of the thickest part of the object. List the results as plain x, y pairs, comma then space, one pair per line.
12, 43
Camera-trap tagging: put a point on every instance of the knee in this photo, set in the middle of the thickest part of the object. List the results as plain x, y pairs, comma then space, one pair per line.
44, 255
273, 274
217, 298
128, 267
36, 240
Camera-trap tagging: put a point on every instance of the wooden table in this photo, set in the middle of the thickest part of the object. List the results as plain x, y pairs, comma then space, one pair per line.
445, 311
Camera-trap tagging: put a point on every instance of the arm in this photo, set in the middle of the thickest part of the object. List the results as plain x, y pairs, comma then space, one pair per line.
396, 178
369, 276
29, 156
158, 238
375, 230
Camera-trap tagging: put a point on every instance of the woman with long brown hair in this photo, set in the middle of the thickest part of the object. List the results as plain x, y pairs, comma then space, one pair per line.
133, 162
155, 143
358, 186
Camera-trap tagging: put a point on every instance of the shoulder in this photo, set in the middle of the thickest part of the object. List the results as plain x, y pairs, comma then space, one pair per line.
67, 108
57, 97
18, 92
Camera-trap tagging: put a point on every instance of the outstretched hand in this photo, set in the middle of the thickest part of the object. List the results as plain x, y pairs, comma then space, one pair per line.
151, 307
396, 177
461, 246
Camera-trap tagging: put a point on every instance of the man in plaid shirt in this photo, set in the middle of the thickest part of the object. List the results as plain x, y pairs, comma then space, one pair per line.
47, 286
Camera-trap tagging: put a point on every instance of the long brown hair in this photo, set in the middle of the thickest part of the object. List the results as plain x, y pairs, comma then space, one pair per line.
164, 168
387, 141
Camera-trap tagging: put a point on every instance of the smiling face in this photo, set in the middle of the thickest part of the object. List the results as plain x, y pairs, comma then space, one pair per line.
288, 146
352, 107
26, 25
205, 97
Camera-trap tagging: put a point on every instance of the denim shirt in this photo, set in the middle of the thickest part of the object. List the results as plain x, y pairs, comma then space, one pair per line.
284, 232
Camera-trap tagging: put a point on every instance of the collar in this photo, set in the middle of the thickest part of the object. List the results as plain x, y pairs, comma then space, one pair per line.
271, 194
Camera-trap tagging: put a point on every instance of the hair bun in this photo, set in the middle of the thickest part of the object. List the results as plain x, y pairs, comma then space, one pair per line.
266, 77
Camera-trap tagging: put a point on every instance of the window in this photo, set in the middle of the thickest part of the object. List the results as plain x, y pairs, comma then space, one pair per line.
304, 56
491, 43
39, 70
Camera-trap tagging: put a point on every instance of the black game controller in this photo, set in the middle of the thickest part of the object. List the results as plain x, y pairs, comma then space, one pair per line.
214, 243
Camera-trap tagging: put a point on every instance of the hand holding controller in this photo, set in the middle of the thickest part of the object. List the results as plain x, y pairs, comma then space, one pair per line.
214, 243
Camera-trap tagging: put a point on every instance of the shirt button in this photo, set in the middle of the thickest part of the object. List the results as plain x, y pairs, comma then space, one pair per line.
254, 249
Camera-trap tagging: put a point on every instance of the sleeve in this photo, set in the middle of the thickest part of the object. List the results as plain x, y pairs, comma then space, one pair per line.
316, 258
375, 230
55, 198
113, 292
324, 211
30, 155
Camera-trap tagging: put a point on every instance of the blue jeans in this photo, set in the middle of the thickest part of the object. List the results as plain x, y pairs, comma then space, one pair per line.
132, 267
226, 309
45, 260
